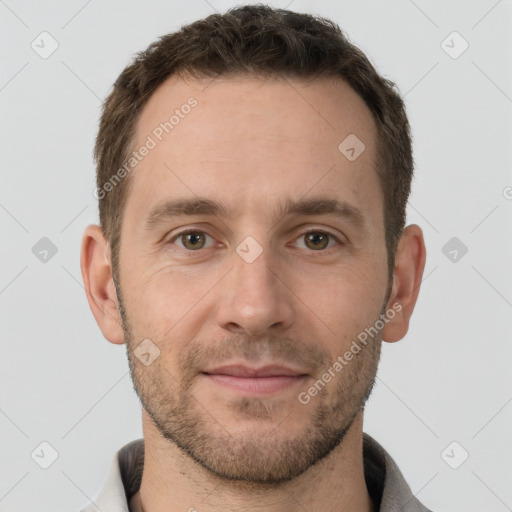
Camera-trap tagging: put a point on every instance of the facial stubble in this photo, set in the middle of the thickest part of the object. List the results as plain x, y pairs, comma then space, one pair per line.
270, 452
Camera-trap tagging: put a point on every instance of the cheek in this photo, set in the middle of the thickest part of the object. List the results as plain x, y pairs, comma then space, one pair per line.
167, 305
349, 287
341, 304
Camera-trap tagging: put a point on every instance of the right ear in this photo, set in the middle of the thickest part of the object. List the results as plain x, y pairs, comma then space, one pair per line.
99, 285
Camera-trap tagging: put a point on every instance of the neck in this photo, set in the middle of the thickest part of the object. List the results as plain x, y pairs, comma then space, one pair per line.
172, 481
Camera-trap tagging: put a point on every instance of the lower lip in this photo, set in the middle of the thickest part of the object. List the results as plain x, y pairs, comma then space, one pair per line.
256, 385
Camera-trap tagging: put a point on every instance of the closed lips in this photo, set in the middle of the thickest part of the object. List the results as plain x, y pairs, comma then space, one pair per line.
247, 381
248, 372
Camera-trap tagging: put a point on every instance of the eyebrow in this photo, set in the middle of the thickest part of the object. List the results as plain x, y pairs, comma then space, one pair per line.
316, 206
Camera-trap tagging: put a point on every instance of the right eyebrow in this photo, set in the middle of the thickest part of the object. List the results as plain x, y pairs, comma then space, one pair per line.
181, 207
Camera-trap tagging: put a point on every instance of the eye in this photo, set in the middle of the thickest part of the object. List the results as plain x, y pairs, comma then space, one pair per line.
192, 240
316, 240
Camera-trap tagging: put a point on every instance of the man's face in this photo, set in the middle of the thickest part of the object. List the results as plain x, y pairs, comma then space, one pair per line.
247, 309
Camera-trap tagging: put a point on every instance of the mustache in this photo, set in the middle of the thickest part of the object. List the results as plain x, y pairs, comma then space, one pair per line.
268, 349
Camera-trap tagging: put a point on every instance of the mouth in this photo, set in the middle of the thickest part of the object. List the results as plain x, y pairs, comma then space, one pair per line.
255, 381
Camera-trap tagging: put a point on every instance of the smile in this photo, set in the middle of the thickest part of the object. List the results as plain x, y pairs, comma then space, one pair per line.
256, 381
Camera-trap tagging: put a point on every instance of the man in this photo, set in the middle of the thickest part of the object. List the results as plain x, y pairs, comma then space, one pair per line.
253, 171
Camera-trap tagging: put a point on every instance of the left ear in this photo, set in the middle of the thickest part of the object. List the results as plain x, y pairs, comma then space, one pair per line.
407, 275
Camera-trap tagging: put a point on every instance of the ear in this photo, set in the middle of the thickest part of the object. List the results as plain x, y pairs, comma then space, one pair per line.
99, 284
409, 265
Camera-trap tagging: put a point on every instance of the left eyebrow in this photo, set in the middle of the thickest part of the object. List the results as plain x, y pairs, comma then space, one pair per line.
315, 206
324, 206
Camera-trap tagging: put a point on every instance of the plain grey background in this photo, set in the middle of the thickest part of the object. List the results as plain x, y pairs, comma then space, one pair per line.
443, 393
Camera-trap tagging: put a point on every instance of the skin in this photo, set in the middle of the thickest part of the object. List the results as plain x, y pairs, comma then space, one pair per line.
251, 144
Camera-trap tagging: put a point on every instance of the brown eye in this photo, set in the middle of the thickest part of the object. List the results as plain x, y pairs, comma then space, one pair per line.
316, 240
191, 240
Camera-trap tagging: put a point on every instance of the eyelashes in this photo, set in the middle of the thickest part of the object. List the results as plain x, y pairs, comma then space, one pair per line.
312, 240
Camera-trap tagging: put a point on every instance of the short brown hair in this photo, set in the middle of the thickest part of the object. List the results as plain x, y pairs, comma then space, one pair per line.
255, 40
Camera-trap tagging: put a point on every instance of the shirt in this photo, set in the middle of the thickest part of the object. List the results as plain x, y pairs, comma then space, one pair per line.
386, 484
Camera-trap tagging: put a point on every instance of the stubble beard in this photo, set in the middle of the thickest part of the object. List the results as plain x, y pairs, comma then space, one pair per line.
270, 453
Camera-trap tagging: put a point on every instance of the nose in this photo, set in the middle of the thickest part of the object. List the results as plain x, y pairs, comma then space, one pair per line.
255, 297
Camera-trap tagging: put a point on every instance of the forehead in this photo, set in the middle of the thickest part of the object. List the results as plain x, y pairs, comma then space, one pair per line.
241, 136
323, 109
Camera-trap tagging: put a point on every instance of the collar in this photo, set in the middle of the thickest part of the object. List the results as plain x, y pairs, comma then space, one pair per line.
386, 484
